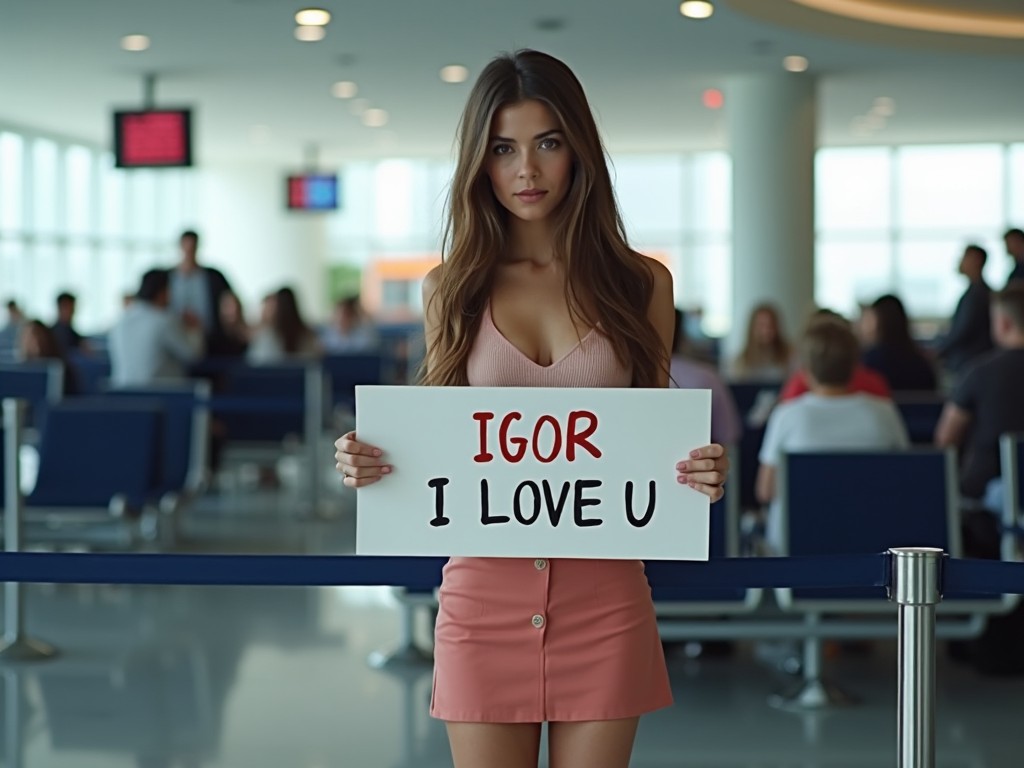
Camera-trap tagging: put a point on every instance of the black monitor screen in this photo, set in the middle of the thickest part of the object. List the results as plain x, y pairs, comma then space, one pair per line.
157, 138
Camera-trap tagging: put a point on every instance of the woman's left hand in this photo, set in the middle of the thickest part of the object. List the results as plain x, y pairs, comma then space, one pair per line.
705, 470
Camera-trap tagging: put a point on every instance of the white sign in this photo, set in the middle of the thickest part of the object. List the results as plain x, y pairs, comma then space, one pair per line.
533, 472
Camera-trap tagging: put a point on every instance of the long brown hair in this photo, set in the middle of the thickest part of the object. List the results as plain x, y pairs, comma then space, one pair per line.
289, 326
607, 283
777, 353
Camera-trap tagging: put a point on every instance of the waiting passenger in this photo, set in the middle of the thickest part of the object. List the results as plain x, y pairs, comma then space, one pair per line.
283, 335
970, 331
687, 373
150, 342
196, 290
863, 380
766, 355
350, 330
989, 402
828, 418
64, 331
890, 349
233, 339
1014, 239
38, 342
11, 332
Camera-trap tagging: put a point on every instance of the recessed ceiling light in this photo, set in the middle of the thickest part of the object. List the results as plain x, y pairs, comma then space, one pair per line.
135, 42
344, 89
795, 64
312, 17
454, 73
310, 34
375, 118
696, 9
712, 98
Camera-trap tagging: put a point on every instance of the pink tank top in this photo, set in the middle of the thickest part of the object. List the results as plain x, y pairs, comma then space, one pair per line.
495, 362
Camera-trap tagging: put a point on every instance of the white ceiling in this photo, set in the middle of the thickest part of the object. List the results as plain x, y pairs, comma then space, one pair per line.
644, 66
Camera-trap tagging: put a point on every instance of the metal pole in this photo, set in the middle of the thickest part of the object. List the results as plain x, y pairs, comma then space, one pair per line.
314, 426
15, 646
916, 588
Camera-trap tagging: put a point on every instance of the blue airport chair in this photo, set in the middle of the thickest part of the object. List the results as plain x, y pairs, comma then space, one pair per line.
40, 383
99, 463
345, 371
749, 394
262, 404
920, 412
92, 372
860, 502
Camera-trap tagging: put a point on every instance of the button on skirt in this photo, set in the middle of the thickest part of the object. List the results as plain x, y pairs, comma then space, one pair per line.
528, 641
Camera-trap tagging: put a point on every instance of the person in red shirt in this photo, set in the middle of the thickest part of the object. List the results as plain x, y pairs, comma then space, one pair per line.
864, 379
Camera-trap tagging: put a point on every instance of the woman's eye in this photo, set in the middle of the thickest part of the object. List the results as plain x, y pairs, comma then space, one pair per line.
502, 149
550, 144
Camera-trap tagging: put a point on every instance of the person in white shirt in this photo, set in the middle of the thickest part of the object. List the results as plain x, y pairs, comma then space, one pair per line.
828, 418
150, 342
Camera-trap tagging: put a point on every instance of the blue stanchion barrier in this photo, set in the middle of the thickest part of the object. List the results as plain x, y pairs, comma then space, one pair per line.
412, 572
968, 577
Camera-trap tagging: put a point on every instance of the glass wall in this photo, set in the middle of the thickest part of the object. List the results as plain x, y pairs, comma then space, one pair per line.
887, 218
70, 221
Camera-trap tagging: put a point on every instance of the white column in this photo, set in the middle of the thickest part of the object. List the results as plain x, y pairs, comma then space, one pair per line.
247, 231
772, 124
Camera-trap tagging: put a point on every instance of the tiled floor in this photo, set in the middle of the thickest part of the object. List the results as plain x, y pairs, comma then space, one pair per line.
278, 678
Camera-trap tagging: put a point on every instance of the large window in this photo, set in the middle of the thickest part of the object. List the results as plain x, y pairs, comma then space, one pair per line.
69, 221
896, 219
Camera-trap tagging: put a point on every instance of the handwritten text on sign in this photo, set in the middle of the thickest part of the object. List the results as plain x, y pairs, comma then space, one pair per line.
533, 472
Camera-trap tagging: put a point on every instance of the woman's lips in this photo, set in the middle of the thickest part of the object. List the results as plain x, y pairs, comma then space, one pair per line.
531, 195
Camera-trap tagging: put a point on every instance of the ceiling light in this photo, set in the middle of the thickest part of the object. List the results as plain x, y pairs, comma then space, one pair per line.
375, 118
312, 17
795, 64
696, 9
454, 73
135, 42
928, 17
884, 106
310, 34
344, 89
712, 98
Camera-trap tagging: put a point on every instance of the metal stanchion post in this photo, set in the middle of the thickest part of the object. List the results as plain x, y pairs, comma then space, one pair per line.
314, 427
916, 588
15, 646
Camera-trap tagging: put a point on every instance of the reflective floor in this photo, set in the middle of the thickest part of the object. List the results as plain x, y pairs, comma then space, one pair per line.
278, 678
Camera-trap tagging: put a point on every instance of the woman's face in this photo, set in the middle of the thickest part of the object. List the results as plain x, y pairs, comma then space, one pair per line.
765, 329
867, 327
528, 161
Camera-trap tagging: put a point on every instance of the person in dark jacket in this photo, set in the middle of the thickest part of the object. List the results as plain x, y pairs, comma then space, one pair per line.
970, 332
196, 293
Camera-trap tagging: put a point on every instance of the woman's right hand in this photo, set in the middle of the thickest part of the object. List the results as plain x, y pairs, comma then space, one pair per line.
359, 464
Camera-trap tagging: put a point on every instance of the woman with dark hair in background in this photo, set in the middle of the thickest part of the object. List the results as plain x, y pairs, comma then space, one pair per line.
283, 334
890, 350
38, 342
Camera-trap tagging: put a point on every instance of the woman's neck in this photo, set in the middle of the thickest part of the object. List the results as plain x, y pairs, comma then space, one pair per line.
531, 241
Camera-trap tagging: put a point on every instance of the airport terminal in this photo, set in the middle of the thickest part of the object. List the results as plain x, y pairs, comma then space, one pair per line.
243, 242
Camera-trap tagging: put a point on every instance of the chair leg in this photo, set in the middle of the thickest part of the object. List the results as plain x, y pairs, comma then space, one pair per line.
813, 692
408, 653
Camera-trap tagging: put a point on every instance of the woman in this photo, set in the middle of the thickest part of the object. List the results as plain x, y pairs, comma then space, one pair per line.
283, 335
766, 355
890, 350
38, 342
538, 288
